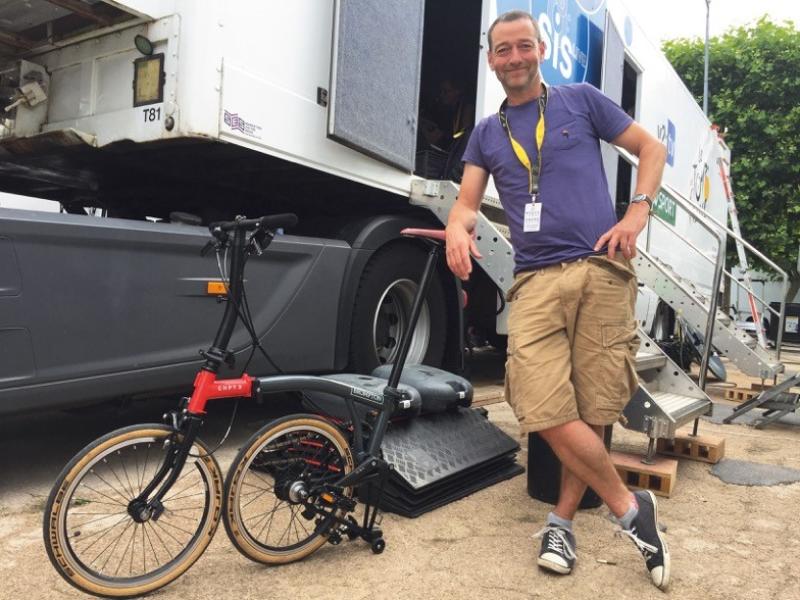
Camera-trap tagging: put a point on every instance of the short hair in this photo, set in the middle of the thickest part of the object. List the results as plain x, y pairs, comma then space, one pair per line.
514, 15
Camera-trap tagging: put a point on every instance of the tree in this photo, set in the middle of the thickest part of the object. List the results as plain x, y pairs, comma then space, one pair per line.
754, 93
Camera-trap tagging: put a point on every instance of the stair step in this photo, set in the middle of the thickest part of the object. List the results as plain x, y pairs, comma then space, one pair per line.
646, 361
681, 409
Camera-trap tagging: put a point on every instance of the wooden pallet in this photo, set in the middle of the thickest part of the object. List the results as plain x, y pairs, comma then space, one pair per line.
659, 477
705, 448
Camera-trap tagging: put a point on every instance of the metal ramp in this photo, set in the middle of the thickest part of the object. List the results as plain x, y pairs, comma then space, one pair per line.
776, 401
667, 398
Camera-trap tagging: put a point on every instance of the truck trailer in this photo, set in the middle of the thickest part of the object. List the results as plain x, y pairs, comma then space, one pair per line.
161, 116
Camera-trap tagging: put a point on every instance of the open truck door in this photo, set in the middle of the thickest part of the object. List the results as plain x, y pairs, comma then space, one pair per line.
375, 78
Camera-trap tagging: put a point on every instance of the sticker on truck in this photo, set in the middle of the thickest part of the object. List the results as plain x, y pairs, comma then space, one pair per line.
237, 123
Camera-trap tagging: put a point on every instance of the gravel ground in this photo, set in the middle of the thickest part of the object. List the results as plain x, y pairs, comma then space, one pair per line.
727, 541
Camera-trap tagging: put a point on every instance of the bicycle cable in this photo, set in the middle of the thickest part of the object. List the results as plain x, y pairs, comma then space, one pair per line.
245, 316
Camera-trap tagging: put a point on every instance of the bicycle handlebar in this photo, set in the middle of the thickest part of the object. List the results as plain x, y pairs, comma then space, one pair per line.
265, 222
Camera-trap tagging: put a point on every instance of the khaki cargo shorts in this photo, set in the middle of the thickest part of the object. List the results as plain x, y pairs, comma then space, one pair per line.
572, 343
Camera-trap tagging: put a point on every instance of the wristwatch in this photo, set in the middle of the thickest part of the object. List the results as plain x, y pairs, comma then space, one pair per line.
643, 198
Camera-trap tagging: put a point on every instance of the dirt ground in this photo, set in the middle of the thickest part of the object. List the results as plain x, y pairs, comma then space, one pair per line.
726, 541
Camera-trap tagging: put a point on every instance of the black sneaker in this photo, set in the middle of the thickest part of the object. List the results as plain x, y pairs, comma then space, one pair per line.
645, 534
558, 549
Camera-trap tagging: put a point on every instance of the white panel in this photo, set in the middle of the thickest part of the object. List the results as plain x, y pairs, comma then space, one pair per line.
66, 101
613, 67
114, 76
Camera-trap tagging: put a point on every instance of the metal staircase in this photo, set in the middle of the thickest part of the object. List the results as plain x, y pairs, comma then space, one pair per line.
667, 398
687, 301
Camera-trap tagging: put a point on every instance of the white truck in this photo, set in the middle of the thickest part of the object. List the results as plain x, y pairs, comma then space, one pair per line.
148, 109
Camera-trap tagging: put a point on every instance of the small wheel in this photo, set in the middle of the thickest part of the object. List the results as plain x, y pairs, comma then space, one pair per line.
378, 546
264, 504
97, 546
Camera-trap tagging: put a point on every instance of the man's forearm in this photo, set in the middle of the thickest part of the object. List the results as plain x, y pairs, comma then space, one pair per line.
463, 215
651, 168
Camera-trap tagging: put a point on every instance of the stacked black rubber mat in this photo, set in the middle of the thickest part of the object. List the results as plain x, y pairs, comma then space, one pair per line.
440, 458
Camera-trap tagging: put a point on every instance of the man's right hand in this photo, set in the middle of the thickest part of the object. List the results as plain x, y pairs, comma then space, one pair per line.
463, 218
460, 244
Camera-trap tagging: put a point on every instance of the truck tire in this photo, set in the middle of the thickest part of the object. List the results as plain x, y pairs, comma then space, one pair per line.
383, 306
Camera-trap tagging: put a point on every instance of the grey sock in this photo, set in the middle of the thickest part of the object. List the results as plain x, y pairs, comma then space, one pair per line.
554, 519
626, 520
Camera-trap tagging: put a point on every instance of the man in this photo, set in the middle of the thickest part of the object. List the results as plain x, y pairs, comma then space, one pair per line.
572, 331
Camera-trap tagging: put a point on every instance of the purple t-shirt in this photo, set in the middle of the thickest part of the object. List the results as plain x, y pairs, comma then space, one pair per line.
576, 206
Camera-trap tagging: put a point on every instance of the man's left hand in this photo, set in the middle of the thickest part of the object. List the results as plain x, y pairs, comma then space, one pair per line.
623, 235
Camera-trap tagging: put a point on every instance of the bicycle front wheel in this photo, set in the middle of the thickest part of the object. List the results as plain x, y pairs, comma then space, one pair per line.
93, 541
265, 516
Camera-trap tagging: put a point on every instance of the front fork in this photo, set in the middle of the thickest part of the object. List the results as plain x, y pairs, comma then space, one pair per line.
145, 507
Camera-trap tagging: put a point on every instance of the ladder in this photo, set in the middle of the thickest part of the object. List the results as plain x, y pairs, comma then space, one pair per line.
724, 171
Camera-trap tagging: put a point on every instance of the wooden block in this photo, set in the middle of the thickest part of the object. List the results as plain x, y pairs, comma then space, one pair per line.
758, 387
706, 448
659, 477
488, 394
740, 394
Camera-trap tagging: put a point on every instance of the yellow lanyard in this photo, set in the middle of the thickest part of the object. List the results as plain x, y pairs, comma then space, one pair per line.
519, 151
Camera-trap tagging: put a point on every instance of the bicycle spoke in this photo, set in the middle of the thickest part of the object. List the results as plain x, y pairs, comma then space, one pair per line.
167, 523
160, 539
87, 537
116, 476
144, 468
125, 552
127, 478
126, 499
110, 554
269, 521
183, 476
107, 516
189, 496
167, 532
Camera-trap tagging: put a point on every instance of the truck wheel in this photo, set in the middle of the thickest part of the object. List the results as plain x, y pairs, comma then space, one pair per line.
383, 308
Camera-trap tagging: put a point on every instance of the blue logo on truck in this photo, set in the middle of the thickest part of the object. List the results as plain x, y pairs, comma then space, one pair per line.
670, 143
572, 31
666, 135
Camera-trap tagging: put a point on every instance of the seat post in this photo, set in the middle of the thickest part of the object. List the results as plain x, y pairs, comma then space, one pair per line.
422, 290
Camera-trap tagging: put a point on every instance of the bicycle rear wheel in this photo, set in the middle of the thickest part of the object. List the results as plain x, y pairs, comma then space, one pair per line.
93, 541
264, 516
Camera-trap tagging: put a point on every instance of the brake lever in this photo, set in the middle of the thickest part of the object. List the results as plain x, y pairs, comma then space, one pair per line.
209, 245
260, 240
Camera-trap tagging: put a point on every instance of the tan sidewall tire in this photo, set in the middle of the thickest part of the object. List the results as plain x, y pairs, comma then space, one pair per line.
231, 514
55, 544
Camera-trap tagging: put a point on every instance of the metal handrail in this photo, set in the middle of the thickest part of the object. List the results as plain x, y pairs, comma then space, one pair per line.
703, 217
718, 267
674, 194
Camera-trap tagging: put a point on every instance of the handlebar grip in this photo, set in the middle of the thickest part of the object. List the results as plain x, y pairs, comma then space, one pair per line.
278, 221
